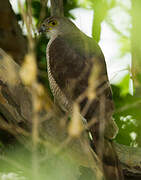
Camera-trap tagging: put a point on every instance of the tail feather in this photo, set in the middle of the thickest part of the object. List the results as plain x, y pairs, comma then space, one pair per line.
111, 165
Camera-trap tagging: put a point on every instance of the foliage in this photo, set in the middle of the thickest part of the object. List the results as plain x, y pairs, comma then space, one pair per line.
127, 106
50, 166
121, 94
127, 116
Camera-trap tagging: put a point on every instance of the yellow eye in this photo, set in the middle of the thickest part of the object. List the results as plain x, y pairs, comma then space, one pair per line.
53, 23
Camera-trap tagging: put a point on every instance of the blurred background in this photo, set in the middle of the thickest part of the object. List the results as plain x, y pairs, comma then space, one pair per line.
115, 25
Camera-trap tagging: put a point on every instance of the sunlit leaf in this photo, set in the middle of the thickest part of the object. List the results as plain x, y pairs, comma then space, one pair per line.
124, 85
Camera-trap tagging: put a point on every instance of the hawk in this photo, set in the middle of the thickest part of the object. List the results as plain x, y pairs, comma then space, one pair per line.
72, 59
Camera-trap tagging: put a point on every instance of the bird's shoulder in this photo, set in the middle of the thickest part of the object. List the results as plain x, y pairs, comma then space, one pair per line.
85, 45
80, 44
63, 54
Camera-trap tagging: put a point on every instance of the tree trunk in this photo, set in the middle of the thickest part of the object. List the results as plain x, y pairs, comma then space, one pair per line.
57, 8
11, 38
136, 52
15, 100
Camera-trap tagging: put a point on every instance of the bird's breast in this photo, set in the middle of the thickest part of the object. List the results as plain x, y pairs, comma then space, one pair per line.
59, 96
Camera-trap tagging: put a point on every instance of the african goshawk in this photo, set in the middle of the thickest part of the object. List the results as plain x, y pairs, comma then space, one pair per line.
72, 58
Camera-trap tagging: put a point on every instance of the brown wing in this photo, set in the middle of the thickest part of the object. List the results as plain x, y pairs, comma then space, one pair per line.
68, 64
71, 71
71, 65
65, 63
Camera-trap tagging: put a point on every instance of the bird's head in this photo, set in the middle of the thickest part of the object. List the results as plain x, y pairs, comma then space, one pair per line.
53, 26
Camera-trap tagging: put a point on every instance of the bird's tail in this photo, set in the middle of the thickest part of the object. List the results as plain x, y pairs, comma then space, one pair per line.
111, 165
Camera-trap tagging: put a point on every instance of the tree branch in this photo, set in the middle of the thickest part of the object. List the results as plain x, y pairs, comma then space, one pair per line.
130, 159
57, 8
15, 99
11, 40
15, 105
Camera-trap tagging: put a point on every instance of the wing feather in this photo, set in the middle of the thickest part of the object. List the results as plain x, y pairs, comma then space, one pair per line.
71, 70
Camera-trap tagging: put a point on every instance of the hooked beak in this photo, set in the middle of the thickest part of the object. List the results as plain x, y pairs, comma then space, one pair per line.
43, 28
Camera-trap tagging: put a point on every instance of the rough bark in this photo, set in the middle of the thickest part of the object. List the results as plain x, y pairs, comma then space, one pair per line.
15, 99
57, 8
11, 38
130, 159
16, 108
15, 105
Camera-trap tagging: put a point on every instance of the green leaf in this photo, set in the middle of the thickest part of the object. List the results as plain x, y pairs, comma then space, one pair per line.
124, 85
127, 115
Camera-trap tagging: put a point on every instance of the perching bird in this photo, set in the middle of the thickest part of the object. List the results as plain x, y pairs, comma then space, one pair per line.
74, 62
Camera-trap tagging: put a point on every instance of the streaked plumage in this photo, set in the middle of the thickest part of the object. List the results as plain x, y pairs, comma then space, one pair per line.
71, 55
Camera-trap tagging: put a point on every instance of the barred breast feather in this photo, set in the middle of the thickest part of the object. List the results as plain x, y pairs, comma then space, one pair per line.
59, 96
